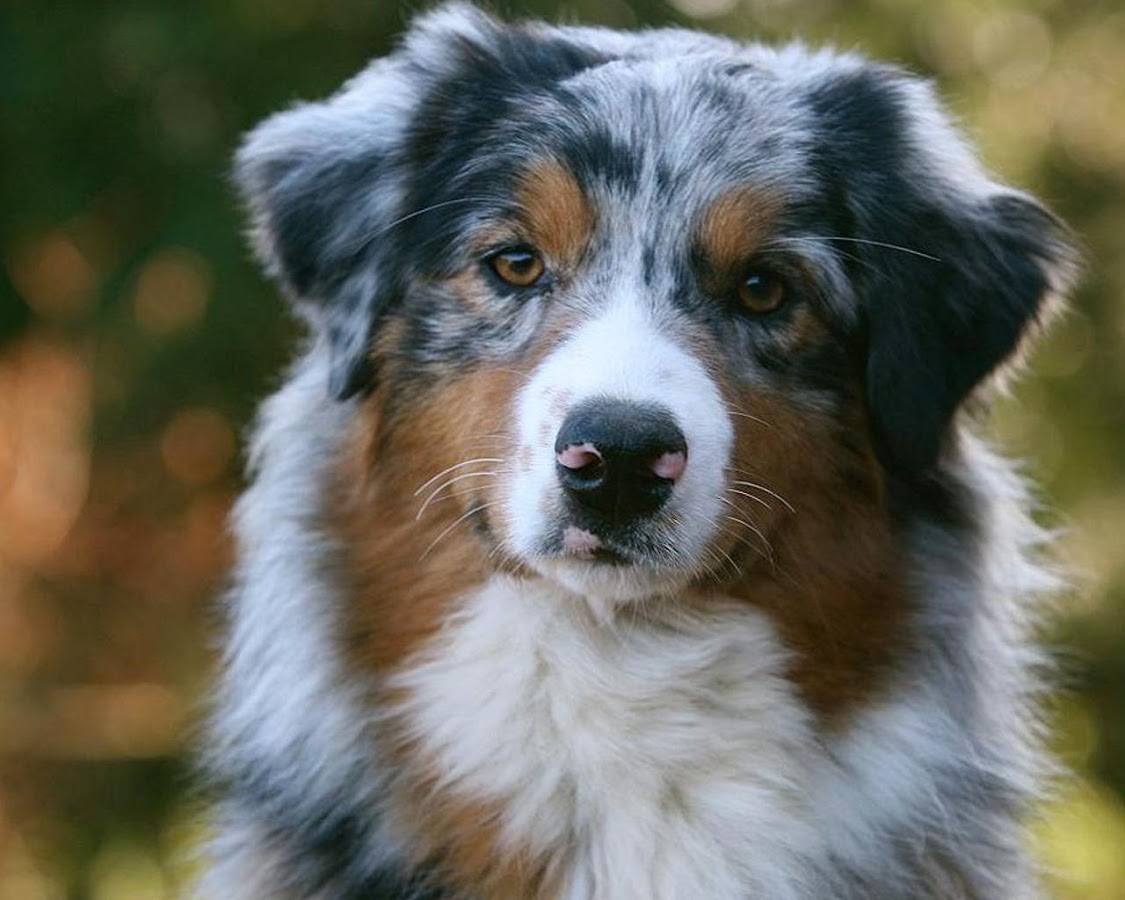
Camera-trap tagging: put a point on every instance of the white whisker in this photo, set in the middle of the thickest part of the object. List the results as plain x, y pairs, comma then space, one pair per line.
774, 494
467, 462
422, 212
818, 237
455, 494
742, 539
444, 485
748, 496
445, 531
756, 531
735, 412
715, 554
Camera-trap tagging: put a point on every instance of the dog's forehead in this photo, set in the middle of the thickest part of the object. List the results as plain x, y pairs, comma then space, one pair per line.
680, 131
651, 143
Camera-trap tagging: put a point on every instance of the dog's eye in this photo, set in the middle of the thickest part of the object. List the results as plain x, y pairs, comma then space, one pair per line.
761, 291
519, 266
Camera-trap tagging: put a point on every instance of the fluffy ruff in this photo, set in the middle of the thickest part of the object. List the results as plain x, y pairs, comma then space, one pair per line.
811, 672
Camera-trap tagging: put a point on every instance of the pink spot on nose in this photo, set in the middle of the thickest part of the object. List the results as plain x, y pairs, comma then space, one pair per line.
578, 456
670, 465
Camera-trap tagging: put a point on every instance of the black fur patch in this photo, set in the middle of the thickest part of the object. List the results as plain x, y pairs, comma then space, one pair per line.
596, 157
330, 852
465, 139
948, 287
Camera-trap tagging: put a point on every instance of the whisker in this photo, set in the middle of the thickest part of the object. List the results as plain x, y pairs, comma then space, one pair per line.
859, 260
738, 509
446, 484
774, 494
467, 462
739, 538
735, 412
422, 212
851, 240
445, 531
756, 531
758, 500
742, 539
524, 375
727, 559
455, 494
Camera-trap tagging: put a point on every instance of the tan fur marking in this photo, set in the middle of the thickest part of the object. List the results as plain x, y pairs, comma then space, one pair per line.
404, 587
832, 583
803, 329
463, 841
474, 293
404, 581
557, 215
830, 576
736, 226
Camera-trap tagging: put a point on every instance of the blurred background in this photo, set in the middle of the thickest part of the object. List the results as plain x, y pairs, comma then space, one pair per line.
136, 335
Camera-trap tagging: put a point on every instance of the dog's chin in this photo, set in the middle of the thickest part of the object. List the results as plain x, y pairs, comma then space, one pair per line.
610, 566
613, 581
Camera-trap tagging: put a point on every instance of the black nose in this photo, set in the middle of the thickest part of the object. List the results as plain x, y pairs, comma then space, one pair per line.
620, 460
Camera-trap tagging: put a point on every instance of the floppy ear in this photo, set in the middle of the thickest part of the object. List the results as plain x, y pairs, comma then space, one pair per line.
955, 269
938, 328
324, 183
315, 181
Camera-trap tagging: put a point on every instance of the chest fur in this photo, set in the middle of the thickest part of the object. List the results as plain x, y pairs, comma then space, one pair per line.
662, 755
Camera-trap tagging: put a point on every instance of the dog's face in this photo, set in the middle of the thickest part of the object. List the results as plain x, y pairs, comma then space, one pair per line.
627, 307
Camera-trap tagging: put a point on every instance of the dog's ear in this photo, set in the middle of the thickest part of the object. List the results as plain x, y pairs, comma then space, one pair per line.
953, 270
316, 187
323, 183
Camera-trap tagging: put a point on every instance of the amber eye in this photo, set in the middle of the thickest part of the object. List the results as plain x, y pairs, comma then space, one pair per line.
519, 266
761, 291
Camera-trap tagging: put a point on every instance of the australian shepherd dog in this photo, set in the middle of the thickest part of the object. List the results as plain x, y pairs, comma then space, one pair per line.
619, 532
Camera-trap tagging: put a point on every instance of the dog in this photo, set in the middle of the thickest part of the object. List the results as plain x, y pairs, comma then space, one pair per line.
621, 530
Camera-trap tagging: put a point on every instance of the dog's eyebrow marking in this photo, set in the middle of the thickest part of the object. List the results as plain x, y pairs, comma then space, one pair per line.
736, 225
557, 214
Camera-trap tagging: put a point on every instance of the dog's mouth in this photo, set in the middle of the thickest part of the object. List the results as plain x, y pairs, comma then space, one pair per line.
651, 544
624, 563
617, 563
583, 546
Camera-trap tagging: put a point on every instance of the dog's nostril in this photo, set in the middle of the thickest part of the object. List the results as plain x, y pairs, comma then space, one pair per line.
670, 465
580, 457
618, 459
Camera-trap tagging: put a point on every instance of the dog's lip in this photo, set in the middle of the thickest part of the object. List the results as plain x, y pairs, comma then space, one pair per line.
607, 556
581, 541
603, 555
580, 545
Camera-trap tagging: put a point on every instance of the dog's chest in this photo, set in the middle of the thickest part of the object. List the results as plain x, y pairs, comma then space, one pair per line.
662, 757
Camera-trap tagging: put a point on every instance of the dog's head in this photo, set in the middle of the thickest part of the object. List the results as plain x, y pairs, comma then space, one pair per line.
623, 303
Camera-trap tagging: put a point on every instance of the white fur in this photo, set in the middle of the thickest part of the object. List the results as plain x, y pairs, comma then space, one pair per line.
289, 705
621, 353
667, 753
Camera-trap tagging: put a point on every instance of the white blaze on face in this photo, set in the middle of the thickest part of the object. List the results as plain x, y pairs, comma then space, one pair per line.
621, 355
